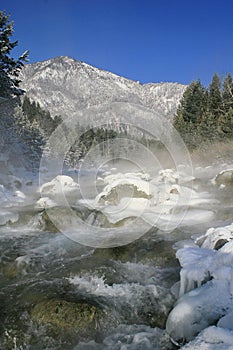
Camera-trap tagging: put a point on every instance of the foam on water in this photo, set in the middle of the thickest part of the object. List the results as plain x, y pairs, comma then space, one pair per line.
134, 337
136, 292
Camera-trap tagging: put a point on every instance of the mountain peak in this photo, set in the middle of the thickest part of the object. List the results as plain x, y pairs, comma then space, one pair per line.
64, 85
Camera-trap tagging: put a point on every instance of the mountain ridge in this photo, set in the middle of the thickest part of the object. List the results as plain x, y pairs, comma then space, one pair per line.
63, 85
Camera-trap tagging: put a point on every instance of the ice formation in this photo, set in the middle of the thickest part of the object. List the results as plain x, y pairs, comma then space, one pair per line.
198, 309
206, 285
212, 338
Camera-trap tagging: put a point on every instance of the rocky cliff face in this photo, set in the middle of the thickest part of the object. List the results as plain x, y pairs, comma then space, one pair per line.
64, 86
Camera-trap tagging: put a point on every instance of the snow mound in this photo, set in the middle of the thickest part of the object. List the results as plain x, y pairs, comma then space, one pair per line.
58, 188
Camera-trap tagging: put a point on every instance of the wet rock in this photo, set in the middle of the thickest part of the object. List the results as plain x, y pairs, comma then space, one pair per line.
19, 267
17, 184
47, 223
224, 178
13, 339
121, 191
174, 191
56, 218
220, 243
28, 183
10, 270
62, 314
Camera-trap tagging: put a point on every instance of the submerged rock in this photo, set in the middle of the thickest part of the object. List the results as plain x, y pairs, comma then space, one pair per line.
62, 314
10, 270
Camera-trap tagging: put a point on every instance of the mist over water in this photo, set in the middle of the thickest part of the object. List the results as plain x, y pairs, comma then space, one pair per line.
101, 239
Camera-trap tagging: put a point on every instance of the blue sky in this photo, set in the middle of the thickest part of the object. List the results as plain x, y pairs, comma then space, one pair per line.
145, 40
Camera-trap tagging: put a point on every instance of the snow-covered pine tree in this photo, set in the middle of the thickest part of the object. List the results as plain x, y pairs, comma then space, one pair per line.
9, 67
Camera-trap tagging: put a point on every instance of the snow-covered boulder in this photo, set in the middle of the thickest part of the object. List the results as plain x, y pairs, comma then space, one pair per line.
215, 238
61, 186
160, 201
198, 309
206, 286
225, 177
45, 202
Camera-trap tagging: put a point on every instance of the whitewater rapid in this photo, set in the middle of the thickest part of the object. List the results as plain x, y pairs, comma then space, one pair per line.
117, 249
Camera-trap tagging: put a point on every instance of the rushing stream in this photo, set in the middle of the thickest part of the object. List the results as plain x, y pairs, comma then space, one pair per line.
57, 293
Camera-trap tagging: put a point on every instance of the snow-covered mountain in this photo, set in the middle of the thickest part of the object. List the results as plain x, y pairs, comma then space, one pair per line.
64, 86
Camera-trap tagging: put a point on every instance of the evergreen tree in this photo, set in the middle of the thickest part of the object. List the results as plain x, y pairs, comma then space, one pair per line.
192, 105
206, 116
215, 102
190, 112
227, 124
227, 93
9, 67
35, 114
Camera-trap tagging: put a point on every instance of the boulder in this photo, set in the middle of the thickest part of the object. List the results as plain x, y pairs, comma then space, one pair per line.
66, 315
225, 177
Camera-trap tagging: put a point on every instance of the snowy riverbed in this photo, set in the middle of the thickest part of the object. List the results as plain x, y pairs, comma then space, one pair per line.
116, 248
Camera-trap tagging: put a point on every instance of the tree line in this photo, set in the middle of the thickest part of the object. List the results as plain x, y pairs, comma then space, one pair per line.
39, 117
205, 115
